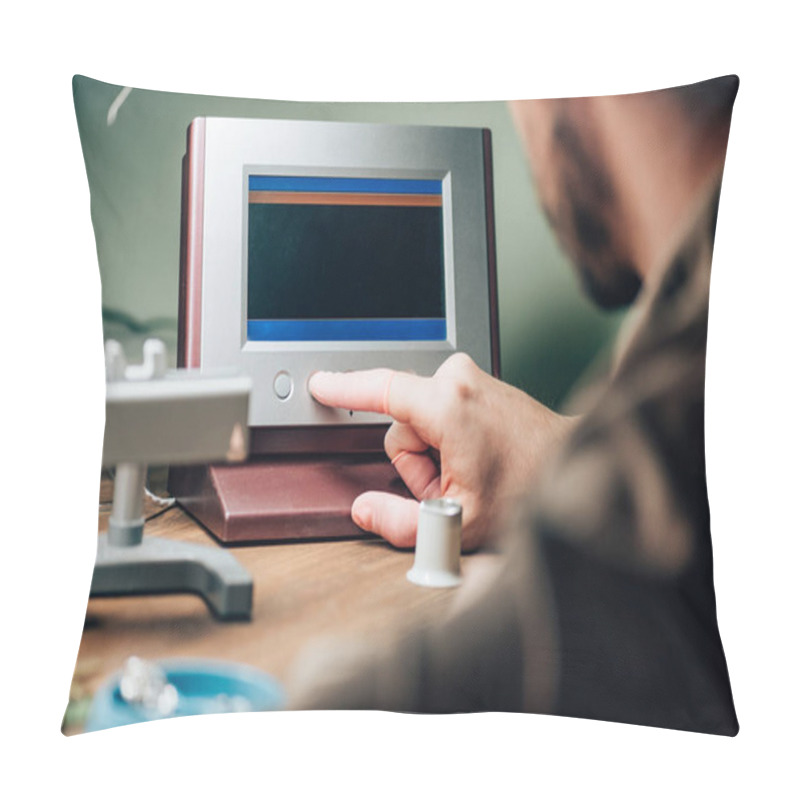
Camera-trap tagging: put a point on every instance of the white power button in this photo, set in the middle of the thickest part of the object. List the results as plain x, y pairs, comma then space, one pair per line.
283, 385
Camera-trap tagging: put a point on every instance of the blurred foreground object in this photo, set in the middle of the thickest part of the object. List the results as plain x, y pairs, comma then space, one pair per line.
148, 690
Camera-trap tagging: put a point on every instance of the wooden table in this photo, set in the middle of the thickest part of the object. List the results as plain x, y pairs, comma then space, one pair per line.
302, 591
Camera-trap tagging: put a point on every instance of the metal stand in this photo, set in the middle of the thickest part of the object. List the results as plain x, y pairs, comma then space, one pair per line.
161, 566
180, 418
127, 563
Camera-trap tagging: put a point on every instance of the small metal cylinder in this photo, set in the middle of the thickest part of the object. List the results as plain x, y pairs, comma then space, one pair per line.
437, 559
126, 524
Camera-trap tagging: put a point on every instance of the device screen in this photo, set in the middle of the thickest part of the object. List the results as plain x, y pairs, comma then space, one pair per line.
345, 259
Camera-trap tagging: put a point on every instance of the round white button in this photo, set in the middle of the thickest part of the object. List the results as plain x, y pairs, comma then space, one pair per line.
283, 385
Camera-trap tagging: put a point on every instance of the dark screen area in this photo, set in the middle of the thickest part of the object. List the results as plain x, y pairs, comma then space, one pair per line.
344, 262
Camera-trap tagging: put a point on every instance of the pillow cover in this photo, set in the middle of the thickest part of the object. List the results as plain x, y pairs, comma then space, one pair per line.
593, 524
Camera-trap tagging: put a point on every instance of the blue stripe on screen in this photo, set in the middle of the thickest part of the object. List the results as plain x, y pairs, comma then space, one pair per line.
346, 330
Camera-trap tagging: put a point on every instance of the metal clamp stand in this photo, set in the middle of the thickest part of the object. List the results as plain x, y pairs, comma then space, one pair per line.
127, 563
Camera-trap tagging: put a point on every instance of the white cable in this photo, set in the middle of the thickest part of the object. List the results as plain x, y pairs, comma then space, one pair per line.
160, 501
113, 109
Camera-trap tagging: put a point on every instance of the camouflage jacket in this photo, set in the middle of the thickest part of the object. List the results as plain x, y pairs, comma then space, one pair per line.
604, 606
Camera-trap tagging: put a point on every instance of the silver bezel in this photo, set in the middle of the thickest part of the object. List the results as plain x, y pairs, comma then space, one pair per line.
237, 148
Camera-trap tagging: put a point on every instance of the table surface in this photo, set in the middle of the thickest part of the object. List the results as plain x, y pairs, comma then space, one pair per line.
303, 591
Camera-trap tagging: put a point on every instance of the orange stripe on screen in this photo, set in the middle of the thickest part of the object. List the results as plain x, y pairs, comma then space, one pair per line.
344, 198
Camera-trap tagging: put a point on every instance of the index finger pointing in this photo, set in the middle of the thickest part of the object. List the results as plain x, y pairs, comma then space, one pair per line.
402, 396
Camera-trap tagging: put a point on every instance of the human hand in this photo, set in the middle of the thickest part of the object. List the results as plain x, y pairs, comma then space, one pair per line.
460, 434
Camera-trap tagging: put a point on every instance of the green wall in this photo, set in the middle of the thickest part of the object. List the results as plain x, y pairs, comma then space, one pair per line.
549, 332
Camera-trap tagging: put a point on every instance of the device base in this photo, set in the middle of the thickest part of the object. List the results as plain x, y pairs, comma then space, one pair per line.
282, 498
164, 566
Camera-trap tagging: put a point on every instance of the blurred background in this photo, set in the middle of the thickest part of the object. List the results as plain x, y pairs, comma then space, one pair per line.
133, 142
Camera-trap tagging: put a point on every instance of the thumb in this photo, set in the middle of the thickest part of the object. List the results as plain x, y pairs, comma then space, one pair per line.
390, 516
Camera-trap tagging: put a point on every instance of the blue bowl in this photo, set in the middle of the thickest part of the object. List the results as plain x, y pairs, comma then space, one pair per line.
204, 687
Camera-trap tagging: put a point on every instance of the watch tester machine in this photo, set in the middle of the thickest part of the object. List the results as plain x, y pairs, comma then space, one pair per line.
325, 246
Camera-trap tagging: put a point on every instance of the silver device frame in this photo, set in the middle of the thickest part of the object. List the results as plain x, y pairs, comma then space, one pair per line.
237, 148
